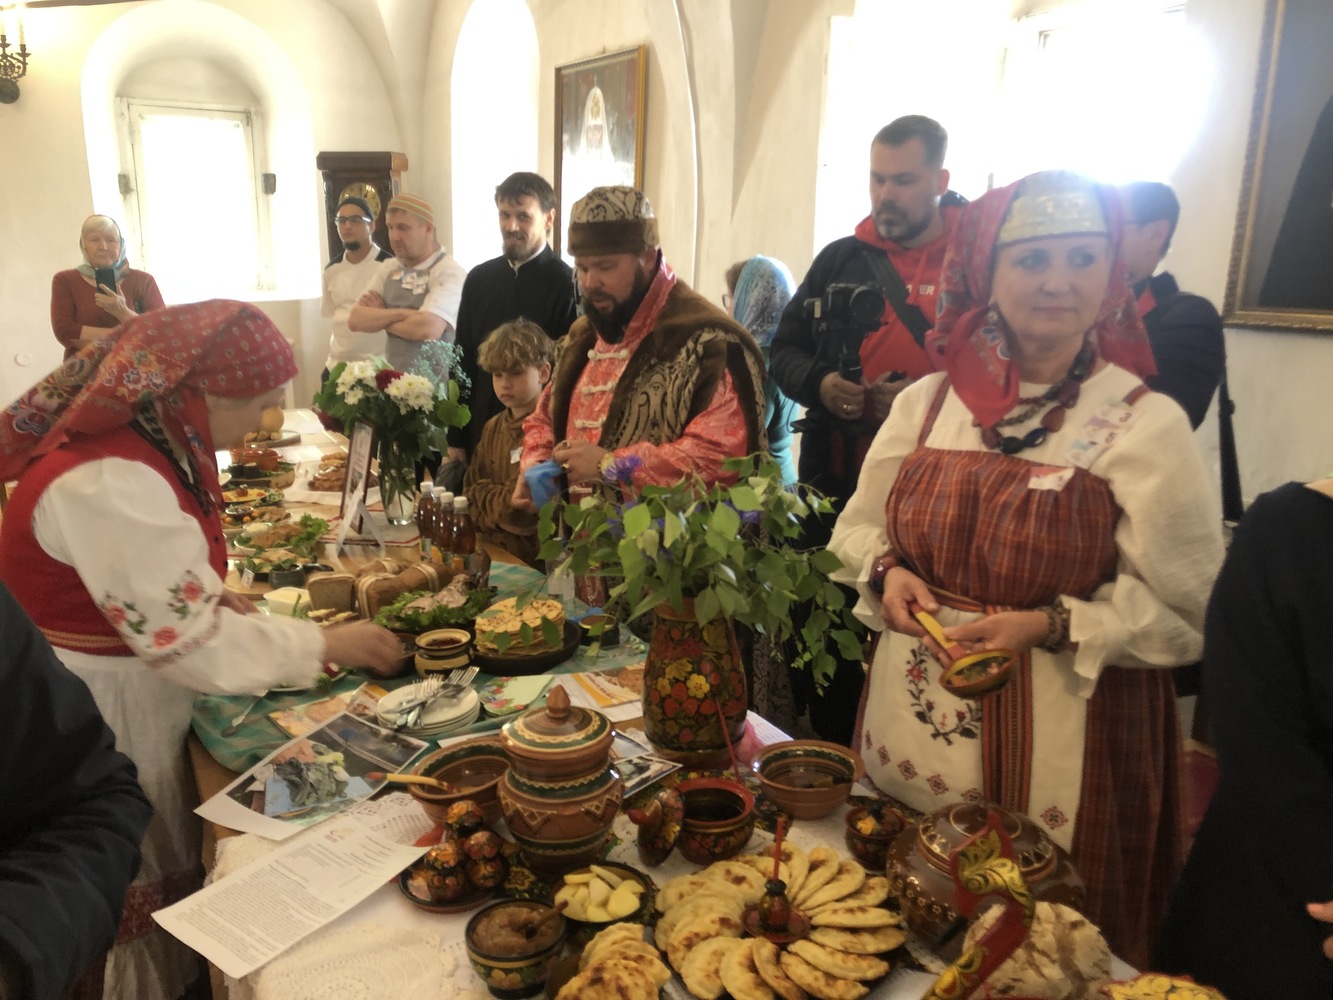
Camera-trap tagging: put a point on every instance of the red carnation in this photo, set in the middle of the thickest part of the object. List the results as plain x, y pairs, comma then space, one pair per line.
385, 378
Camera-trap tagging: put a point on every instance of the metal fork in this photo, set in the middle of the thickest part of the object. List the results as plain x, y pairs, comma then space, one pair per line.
455, 683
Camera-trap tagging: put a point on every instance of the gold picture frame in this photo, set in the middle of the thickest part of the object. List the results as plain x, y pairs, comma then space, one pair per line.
1278, 276
599, 111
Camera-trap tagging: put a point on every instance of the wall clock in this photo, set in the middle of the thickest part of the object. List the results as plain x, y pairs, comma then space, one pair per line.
374, 177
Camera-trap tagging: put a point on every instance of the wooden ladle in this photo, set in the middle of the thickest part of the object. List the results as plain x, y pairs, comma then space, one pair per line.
530, 927
968, 674
411, 779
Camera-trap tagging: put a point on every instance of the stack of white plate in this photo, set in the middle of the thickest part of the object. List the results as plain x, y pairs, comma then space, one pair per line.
442, 717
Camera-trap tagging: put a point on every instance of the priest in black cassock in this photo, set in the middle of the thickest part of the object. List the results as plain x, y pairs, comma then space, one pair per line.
527, 280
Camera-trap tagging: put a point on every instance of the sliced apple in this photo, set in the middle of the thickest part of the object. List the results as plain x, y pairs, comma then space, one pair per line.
623, 901
606, 875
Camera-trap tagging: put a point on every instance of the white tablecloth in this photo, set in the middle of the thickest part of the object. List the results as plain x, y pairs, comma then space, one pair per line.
387, 948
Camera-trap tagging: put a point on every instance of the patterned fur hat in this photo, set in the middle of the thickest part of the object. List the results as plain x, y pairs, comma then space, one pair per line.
611, 220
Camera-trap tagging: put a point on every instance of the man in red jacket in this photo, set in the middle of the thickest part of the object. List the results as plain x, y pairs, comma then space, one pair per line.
907, 230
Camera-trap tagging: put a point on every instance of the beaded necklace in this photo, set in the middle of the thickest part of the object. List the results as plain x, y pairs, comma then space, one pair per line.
1062, 396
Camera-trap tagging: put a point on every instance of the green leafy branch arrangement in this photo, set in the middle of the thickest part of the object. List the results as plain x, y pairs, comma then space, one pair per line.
734, 549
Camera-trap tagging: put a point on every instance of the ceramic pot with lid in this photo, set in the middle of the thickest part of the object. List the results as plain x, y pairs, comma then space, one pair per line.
560, 795
920, 879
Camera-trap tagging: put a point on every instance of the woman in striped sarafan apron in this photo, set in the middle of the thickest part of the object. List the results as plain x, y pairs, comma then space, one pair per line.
1038, 498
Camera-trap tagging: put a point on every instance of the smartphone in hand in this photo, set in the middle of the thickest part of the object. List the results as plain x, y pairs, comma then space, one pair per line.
105, 276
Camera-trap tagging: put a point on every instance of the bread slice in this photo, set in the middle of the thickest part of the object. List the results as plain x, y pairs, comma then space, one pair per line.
336, 591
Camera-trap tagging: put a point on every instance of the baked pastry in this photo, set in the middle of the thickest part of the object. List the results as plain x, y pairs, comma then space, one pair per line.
507, 618
1064, 955
701, 911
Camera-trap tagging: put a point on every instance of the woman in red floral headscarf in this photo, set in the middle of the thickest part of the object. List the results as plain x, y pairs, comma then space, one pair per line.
112, 543
1038, 498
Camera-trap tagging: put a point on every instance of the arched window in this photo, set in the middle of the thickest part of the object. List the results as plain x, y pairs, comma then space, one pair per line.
493, 114
186, 107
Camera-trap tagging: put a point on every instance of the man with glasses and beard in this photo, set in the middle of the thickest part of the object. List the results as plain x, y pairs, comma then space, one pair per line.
911, 217
527, 280
655, 383
345, 277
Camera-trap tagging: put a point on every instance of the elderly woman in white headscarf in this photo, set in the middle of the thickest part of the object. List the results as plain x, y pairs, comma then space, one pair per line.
761, 290
84, 309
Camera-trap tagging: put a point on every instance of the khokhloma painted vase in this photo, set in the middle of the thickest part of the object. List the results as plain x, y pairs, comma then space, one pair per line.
691, 670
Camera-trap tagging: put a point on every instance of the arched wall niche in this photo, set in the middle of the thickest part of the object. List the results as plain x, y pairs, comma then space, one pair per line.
227, 52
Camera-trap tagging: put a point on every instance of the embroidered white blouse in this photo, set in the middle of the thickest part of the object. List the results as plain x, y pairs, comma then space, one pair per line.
145, 563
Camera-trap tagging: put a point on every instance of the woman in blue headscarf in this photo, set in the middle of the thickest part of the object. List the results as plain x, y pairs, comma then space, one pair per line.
762, 290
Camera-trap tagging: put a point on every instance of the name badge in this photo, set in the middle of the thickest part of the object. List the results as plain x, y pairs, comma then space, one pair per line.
1105, 427
1050, 477
515, 454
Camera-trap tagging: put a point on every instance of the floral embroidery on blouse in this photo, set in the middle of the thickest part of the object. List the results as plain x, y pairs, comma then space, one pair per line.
189, 591
189, 598
123, 615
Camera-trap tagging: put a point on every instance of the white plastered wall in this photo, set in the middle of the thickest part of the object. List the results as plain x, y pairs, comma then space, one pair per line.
735, 95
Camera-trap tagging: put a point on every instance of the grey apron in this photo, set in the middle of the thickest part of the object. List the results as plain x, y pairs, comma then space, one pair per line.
406, 288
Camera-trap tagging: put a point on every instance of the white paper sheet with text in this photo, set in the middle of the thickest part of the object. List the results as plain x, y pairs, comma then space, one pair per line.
246, 919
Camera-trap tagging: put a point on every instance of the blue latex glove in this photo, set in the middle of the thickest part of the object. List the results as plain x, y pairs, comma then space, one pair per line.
544, 481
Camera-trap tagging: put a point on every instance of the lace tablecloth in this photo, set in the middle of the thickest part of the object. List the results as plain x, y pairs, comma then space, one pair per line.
386, 947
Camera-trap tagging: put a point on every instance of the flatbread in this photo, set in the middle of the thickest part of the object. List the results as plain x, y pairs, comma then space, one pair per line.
855, 916
874, 890
767, 959
797, 862
740, 976
823, 869
639, 952
741, 877
840, 964
610, 979
816, 982
679, 890
702, 969
849, 877
697, 929
764, 865
868, 941
604, 939
703, 902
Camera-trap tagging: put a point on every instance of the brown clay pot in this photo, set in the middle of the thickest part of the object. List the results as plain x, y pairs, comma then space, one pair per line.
557, 740
919, 875
560, 795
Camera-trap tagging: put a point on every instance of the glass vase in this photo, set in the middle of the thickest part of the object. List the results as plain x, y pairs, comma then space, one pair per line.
398, 485
690, 671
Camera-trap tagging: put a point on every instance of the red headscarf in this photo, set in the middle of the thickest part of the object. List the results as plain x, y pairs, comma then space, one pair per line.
973, 349
169, 358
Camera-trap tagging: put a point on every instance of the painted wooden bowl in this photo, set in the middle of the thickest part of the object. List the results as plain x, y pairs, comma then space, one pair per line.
718, 820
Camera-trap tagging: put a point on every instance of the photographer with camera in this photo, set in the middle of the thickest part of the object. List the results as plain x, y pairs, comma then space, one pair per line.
850, 340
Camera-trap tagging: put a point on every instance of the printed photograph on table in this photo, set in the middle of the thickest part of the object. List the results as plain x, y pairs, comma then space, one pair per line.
357, 478
312, 777
637, 773
599, 109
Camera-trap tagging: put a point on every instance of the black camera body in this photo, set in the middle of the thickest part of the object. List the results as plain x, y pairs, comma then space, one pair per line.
847, 312
860, 307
